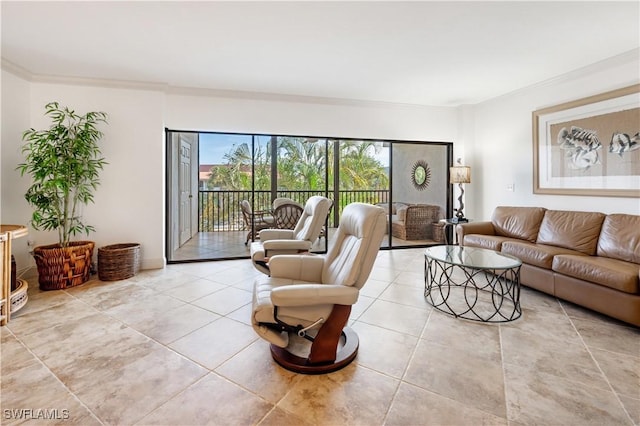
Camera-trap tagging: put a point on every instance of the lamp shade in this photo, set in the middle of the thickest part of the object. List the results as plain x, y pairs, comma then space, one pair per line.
460, 174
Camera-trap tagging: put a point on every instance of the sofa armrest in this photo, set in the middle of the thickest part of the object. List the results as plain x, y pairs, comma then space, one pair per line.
483, 228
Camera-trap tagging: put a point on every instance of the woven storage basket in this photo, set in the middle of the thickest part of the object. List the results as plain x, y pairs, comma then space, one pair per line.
63, 267
118, 261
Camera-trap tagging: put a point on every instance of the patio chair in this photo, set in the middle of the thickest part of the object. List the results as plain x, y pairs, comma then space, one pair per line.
286, 215
255, 221
284, 200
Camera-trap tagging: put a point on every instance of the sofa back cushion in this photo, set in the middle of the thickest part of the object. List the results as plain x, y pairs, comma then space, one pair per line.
518, 222
573, 230
620, 237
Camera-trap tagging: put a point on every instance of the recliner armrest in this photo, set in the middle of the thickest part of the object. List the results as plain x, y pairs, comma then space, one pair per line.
314, 294
276, 234
297, 267
300, 245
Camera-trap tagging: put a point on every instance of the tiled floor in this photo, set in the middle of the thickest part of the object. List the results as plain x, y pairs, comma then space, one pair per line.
230, 244
174, 346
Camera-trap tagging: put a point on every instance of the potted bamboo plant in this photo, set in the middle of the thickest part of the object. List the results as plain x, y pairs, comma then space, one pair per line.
64, 162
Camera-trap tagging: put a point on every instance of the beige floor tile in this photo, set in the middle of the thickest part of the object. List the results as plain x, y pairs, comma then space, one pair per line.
35, 322
401, 318
384, 350
254, 369
70, 355
212, 400
224, 301
373, 287
132, 311
405, 295
569, 360
174, 323
415, 406
539, 322
279, 417
632, 406
242, 314
462, 375
532, 299
128, 393
78, 365
360, 307
383, 274
238, 275
13, 354
538, 398
445, 330
31, 392
216, 342
170, 280
354, 395
103, 295
40, 300
75, 332
623, 371
574, 311
190, 291
609, 336
411, 279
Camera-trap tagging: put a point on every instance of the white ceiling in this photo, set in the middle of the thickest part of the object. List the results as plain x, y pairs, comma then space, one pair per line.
428, 53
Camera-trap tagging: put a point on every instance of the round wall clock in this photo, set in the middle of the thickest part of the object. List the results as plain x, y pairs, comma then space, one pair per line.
420, 175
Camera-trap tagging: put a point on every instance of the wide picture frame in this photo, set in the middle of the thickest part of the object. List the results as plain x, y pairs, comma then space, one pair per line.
590, 146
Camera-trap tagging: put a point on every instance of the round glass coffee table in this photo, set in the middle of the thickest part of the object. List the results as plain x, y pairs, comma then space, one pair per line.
473, 283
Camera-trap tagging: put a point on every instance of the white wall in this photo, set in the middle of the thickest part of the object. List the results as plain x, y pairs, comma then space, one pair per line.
494, 138
129, 203
15, 120
298, 117
501, 150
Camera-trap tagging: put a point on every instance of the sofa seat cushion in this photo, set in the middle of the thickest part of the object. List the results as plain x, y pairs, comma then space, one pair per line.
613, 273
535, 254
491, 242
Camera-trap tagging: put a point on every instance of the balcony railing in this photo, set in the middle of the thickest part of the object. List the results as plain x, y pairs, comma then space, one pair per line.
220, 210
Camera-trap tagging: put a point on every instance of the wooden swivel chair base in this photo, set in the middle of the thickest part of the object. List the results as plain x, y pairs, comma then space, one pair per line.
324, 356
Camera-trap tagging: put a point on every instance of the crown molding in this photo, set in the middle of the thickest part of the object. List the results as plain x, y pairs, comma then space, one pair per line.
278, 97
621, 59
16, 70
25, 74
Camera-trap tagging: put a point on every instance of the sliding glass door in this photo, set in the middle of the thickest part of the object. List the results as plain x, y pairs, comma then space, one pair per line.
235, 179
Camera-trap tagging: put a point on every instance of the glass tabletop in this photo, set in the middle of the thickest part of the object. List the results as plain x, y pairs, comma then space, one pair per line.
472, 257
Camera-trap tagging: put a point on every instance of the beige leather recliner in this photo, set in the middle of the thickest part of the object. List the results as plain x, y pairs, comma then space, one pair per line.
292, 241
309, 293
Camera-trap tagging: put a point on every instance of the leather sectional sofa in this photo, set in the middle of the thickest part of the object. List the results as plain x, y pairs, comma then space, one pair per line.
587, 258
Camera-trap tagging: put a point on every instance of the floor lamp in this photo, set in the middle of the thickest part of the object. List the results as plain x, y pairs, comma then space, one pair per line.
460, 174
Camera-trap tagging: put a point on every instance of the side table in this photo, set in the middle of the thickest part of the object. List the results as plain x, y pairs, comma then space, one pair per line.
448, 223
10, 301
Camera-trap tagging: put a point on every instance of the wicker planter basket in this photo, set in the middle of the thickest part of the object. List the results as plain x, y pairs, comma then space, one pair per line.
118, 261
63, 267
